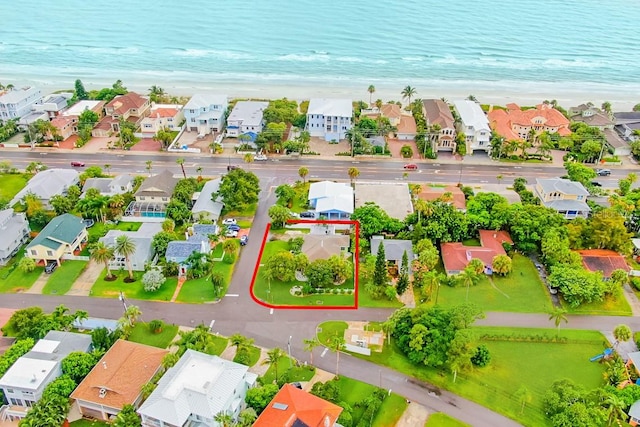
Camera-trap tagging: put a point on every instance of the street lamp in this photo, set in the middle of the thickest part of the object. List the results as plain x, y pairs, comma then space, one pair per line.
124, 305
289, 350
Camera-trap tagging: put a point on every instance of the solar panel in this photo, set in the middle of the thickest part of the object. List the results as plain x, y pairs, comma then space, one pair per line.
280, 406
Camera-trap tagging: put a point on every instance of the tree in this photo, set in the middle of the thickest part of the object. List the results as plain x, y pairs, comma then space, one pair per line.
273, 357
279, 215
336, 344
61, 386
152, 280
223, 419
615, 410
622, 333
461, 350
132, 314
310, 345
281, 265
149, 165
558, 315
160, 242
259, 397
247, 417
373, 221
102, 339
102, 254
524, 396
26, 265
469, 277
218, 282
353, 173
576, 284
303, 172
238, 188
126, 247
579, 172
403, 277
371, 89
229, 247
380, 273
481, 357
127, 417
502, 264
319, 273
77, 365
80, 91
180, 161
408, 92
156, 94
286, 194
60, 204
165, 137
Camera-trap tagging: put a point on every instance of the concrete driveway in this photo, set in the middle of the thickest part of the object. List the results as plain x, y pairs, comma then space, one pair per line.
83, 284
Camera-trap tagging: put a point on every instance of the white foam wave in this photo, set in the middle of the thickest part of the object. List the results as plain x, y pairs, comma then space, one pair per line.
294, 57
225, 54
412, 58
348, 59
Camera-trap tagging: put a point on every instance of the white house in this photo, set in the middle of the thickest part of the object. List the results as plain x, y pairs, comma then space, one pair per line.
205, 113
205, 207
331, 199
48, 183
474, 125
144, 253
109, 186
246, 117
329, 118
26, 379
53, 104
18, 103
162, 116
14, 232
195, 390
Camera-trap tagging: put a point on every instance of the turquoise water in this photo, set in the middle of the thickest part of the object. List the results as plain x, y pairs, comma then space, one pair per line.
570, 42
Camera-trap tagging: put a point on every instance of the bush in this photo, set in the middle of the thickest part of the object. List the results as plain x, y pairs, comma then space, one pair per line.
482, 357
406, 151
243, 356
27, 265
152, 280
155, 326
635, 281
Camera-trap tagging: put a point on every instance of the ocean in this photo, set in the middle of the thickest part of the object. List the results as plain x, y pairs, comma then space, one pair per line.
589, 46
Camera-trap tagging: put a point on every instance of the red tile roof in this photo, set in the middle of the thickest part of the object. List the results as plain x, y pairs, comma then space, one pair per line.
431, 194
61, 122
503, 121
292, 404
391, 111
123, 103
499, 121
603, 260
407, 124
163, 112
456, 256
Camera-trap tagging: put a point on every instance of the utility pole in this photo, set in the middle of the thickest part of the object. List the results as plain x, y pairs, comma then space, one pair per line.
289, 351
124, 303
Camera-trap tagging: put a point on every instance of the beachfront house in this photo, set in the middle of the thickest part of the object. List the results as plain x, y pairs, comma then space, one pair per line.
14, 232
568, 198
329, 119
161, 116
195, 390
63, 235
53, 104
438, 114
628, 125
473, 125
24, 382
597, 118
204, 113
515, 124
18, 103
246, 117
81, 106
48, 183
130, 107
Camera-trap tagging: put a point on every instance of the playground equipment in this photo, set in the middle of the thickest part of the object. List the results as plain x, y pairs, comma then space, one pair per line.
606, 353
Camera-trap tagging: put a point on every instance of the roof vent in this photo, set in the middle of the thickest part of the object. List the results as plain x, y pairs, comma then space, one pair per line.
104, 365
280, 406
103, 393
33, 380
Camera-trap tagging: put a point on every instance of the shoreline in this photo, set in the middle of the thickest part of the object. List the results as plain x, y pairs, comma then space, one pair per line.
494, 93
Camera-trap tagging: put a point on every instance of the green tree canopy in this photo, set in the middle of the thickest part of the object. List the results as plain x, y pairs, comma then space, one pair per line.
238, 189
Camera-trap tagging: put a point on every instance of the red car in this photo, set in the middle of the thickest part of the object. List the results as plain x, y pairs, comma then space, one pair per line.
77, 164
411, 167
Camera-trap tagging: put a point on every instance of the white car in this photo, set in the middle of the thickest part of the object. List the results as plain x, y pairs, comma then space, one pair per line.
229, 221
231, 233
260, 158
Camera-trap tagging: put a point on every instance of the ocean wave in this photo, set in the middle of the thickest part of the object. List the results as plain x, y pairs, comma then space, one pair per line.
225, 54
348, 59
412, 58
303, 58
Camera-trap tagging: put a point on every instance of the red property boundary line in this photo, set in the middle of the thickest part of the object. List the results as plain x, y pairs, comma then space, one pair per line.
311, 307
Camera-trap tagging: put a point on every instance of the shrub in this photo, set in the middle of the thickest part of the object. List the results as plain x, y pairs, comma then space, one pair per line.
155, 326
242, 356
27, 265
635, 281
152, 280
482, 357
406, 151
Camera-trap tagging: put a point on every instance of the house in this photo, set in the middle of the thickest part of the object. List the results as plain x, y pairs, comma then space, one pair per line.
30, 118
603, 260
14, 232
292, 407
330, 199
18, 103
204, 113
63, 235
437, 113
393, 249
329, 118
323, 246
628, 125
81, 106
65, 127
617, 144
117, 379
158, 188
568, 198
161, 117
592, 116
205, 207
406, 128
24, 382
198, 240
130, 107
634, 413
48, 183
245, 117
517, 124
503, 190
195, 390
393, 198
53, 104
109, 186
456, 256
393, 112
450, 194
142, 238
473, 125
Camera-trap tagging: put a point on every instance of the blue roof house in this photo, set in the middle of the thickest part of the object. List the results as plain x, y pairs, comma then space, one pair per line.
332, 200
179, 250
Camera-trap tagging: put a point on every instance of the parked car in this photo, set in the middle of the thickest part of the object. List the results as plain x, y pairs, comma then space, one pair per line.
411, 167
596, 184
229, 221
232, 168
244, 240
77, 164
603, 172
233, 227
260, 157
307, 215
231, 233
88, 222
51, 267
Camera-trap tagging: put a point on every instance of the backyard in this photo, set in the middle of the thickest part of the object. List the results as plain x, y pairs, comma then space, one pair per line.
61, 280
528, 355
135, 290
100, 229
12, 279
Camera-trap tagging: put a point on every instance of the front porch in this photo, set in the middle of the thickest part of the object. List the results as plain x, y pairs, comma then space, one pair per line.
10, 415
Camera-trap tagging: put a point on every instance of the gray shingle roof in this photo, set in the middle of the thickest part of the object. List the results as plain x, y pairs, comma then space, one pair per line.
160, 185
63, 228
11, 227
393, 249
568, 205
206, 229
564, 186
48, 183
68, 343
179, 250
101, 184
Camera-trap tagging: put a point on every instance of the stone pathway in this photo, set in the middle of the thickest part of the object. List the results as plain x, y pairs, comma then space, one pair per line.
181, 281
229, 353
83, 284
38, 285
259, 368
414, 415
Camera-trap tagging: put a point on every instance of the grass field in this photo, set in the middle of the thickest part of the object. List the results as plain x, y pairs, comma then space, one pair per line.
390, 411
286, 366
613, 305
61, 280
143, 335
135, 290
521, 291
12, 279
443, 420
535, 365
219, 345
201, 290
329, 329
12, 183
254, 356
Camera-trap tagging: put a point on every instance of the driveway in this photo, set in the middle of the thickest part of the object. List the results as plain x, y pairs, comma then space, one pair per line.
147, 144
83, 284
395, 145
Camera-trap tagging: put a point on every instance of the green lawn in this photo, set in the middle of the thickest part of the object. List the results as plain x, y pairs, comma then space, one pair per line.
219, 345
295, 373
366, 300
390, 412
513, 364
12, 279
88, 423
327, 330
135, 290
143, 335
300, 201
200, 290
248, 212
61, 280
254, 356
613, 305
353, 391
278, 293
521, 291
12, 183
443, 420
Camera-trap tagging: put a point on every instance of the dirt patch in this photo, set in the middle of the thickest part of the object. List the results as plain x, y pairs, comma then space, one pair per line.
147, 144
128, 280
396, 145
414, 415
318, 145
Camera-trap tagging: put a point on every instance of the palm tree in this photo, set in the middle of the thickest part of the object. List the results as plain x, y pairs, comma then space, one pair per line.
199, 170
469, 277
102, 253
558, 315
248, 158
309, 345
472, 98
615, 408
268, 274
353, 173
408, 92
247, 417
224, 419
180, 161
125, 246
622, 333
116, 203
239, 341
107, 166
273, 357
371, 89
169, 360
303, 172
132, 314
149, 164
229, 246
336, 344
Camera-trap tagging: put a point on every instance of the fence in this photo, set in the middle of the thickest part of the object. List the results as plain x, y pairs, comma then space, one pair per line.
75, 257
